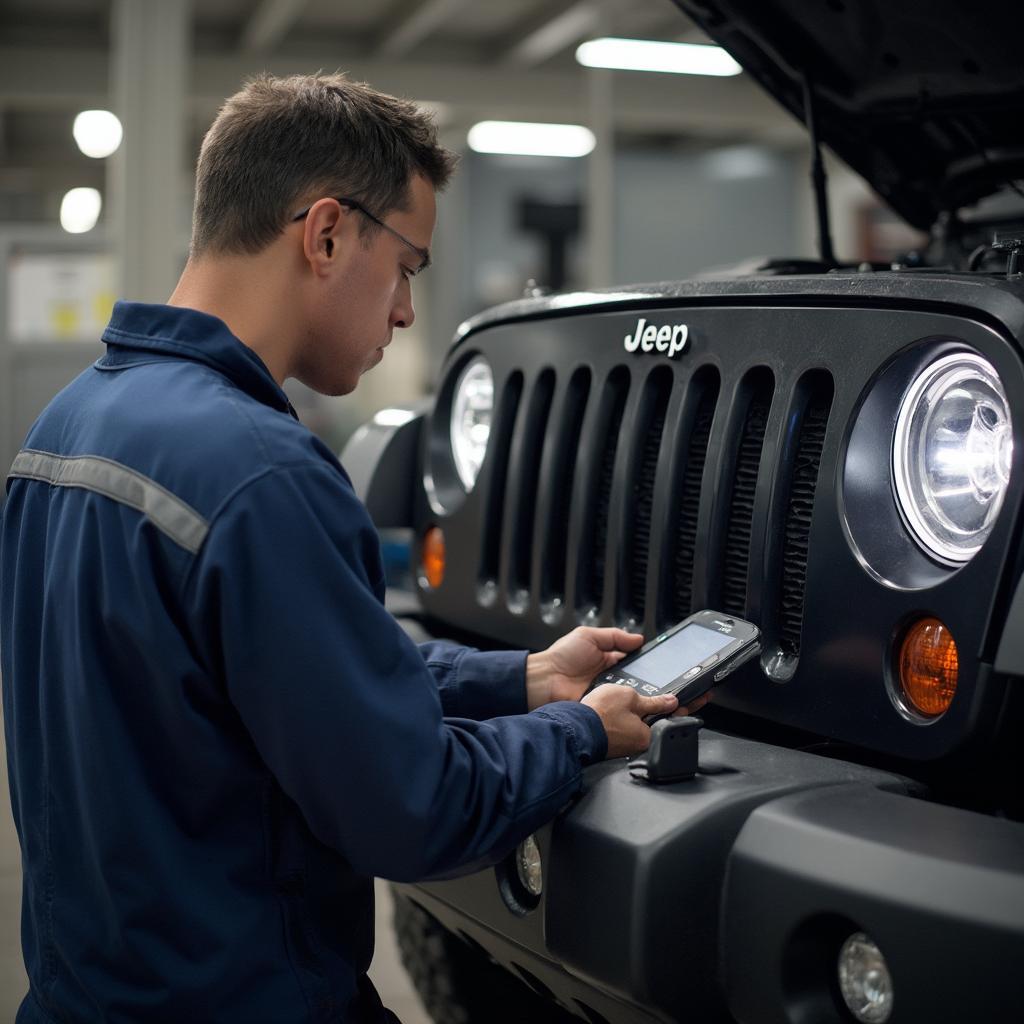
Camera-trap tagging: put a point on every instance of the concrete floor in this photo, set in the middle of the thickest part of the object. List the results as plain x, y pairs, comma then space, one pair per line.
12, 971
386, 971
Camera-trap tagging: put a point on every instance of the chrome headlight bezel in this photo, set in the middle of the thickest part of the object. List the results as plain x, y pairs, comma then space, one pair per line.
943, 540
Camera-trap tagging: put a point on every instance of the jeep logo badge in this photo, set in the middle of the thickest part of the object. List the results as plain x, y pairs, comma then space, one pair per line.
669, 338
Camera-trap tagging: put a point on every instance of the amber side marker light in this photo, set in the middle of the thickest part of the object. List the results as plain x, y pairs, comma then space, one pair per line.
928, 667
433, 557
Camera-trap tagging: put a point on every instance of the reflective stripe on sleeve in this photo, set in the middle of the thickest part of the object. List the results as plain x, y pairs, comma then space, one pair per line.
168, 513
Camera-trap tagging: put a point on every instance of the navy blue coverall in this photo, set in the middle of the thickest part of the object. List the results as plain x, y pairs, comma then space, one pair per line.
216, 734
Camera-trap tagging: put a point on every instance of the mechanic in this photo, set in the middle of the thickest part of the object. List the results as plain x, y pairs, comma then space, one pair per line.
216, 734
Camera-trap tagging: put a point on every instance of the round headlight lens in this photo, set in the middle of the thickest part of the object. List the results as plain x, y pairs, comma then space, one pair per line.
472, 408
951, 455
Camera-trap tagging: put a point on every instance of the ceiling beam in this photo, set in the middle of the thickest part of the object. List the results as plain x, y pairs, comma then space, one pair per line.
549, 38
421, 21
269, 24
22, 87
674, 104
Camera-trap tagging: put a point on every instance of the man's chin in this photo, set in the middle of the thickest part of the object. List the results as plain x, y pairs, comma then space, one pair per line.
374, 360
330, 387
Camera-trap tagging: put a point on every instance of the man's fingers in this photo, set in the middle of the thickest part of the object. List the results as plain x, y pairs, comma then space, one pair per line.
645, 706
610, 638
622, 711
627, 641
699, 702
695, 705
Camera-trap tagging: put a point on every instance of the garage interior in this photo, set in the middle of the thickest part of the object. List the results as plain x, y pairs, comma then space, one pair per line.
688, 174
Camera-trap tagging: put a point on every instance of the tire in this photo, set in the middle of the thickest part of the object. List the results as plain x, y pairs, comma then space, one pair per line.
458, 983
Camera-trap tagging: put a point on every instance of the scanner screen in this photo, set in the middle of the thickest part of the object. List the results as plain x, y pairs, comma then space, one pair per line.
671, 658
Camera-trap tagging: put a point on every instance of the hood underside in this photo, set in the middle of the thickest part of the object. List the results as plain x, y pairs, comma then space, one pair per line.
923, 98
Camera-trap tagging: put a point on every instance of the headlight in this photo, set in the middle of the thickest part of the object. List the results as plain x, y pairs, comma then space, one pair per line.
472, 407
951, 456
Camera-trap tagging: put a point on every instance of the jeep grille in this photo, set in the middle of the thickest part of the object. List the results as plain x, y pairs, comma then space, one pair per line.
632, 488
562, 440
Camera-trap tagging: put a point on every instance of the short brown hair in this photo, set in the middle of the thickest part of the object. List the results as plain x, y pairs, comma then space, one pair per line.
282, 141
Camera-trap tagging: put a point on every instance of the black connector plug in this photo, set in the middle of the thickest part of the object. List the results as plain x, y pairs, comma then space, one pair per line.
672, 755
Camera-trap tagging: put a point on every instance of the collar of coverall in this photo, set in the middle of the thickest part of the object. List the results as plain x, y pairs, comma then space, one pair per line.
137, 329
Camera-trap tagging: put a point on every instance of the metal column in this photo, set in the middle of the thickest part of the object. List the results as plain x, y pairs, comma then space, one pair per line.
145, 183
600, 223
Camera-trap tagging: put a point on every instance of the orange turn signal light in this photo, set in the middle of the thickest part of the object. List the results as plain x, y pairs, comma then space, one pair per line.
929, 666
433, 557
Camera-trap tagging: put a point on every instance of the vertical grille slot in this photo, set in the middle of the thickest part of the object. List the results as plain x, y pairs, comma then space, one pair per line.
528, 468
554, 536
736, 560
494, 502
590, 582
647, 431
693, 440
816, 391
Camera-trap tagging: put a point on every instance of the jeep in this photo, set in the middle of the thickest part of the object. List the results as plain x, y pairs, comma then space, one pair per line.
831, 451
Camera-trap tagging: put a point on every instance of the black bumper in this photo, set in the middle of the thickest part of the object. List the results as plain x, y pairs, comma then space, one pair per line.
729, 896
940, 890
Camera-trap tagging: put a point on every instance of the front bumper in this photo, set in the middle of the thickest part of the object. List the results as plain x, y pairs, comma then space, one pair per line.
728, 896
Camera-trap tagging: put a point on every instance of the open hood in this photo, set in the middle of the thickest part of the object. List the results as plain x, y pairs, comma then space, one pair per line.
924, 98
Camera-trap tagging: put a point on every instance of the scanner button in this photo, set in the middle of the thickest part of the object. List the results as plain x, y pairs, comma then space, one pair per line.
690, 673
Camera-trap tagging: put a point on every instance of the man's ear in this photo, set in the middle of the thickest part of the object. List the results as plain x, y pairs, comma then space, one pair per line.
329, 229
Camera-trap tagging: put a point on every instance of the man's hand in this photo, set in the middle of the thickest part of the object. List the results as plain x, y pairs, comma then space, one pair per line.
565, 669
622, 712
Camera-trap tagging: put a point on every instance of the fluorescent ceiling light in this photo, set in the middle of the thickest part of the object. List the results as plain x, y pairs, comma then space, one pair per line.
648, 55
80, 209
522, 138
97, 132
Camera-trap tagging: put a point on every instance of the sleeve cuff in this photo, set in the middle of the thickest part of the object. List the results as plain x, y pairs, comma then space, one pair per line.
482, 684
584, 726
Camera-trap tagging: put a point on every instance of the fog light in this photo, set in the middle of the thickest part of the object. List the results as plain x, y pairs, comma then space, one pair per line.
432, 558
529, 867
864, 980
929, 665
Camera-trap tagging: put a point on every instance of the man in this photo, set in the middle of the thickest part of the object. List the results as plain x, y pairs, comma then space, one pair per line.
216, 733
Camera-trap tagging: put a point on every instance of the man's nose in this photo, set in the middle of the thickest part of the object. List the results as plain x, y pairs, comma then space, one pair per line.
403, 313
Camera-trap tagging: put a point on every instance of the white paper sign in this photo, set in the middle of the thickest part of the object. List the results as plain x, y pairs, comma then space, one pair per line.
65, 297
